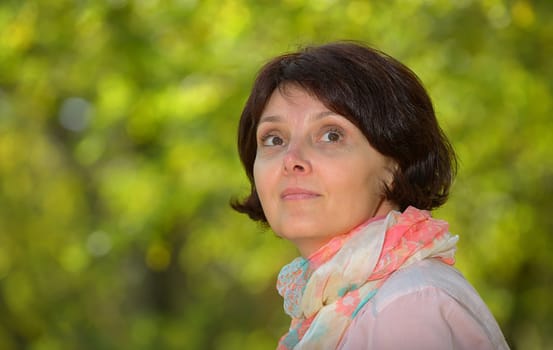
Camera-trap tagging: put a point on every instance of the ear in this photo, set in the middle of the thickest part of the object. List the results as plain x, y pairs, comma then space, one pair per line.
391, 168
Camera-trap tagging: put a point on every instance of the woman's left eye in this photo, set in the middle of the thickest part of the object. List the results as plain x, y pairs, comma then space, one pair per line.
331, 136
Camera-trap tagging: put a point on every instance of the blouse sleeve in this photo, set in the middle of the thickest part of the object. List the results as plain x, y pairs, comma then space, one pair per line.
424, 319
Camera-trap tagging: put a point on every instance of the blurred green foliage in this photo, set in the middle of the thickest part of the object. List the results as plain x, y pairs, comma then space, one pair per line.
117, 161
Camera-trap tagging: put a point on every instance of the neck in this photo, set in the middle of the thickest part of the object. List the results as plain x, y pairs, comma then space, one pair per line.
309, 248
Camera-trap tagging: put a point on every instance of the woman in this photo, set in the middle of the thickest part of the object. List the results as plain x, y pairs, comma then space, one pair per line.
346, 159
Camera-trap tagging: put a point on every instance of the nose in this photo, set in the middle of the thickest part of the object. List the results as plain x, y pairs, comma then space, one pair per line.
296, 163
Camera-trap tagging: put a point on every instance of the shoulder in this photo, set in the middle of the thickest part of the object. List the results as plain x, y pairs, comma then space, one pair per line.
428, 305
422, 275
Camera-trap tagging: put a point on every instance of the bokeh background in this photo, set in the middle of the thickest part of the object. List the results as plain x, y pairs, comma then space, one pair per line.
117, 162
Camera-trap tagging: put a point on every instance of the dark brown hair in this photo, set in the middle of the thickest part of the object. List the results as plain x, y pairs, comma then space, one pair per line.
379, 95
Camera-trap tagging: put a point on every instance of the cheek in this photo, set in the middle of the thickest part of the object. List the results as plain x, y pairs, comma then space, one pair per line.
257, 176
262, 178
362, 180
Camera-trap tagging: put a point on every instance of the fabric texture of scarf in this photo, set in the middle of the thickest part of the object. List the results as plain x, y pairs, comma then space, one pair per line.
324, 293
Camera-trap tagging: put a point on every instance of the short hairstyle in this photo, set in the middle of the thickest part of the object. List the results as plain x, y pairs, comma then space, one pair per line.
379, 95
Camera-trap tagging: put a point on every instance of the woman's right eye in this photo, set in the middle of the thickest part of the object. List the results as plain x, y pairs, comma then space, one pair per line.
272, 140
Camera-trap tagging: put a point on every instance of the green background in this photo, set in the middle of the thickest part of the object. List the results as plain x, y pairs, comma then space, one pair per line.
117, 161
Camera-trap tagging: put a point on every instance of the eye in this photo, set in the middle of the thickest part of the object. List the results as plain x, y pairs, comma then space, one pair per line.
332, 135
272, 140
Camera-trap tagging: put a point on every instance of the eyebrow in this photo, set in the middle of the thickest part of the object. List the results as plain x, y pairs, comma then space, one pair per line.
278, 118
270, 118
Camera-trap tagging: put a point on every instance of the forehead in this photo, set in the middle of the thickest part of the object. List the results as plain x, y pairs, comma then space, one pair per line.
292, 92
291, 96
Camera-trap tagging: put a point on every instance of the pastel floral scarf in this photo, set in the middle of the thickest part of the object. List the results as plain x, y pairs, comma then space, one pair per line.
322, 294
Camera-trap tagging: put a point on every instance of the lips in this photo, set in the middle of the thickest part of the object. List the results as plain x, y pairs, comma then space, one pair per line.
298, 194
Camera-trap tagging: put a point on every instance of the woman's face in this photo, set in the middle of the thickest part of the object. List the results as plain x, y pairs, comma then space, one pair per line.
315, 173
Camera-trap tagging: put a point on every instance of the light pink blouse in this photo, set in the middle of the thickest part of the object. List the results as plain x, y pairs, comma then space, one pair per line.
428, 305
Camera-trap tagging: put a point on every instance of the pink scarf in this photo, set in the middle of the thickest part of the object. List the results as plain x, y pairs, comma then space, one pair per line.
323, 293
